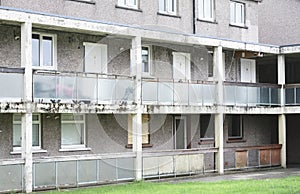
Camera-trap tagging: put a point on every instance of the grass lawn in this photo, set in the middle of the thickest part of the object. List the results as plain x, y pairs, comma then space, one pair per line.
284, 185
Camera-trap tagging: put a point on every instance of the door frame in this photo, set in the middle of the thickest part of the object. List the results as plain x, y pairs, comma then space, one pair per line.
182, 117
187, 63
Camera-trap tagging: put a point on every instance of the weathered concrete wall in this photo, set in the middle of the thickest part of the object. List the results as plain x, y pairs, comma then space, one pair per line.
221, 27
10, 49
105, 10
293, 143
279, 22
257, 130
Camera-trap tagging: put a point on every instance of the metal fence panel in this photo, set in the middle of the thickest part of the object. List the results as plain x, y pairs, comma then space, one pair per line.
66, 173
87, 171
11, 177
125, 168
107, 170
45, 174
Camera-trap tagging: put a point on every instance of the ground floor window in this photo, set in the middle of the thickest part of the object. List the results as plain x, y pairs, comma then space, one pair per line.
72, 130
207, 127
235, 128
17, 131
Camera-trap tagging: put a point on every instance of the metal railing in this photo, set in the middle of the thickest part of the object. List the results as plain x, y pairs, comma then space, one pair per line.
244, 94
157, 164
11, 175
82, 87
244, 157
159, 92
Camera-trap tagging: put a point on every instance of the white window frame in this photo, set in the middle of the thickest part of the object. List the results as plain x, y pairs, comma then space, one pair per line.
205, 6
234, 6
149, 61
54, 51
74, 146
19, 122
241, 136
166, 6
134, 4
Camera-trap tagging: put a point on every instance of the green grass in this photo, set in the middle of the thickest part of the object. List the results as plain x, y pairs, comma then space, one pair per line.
285, 185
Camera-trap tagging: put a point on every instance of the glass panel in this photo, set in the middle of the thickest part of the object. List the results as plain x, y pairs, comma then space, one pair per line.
149, 91
165, 92
124, 90
106, 89
47, 51
181, 93
289, 96
87, 88
297, 95
207, 126
72, 133
66, 88
232, 12
35, 135
253, 93
275, 96
264, 96
241, 95
195, 93
72, 117
229, 95
35, 117
44, 86
17, 136
17, 117
201, 9
238, 13
208, 94
179, 126
11, 86
35, 50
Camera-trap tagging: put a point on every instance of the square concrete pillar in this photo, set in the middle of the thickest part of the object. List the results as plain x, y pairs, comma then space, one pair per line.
26, 62
219, 142
282, 138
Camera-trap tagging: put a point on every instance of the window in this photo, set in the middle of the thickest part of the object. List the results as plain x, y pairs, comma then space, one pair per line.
235, 130
145, 129
146, 60
17, 131
128, 3
206, 10
167, 6
237, 13
73, 131
207, 129
44, 51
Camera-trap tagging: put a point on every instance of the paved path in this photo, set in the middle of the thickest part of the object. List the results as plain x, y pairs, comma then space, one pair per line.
241, 175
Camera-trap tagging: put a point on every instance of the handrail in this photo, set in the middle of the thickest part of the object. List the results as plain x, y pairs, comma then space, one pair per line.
252, 84
11, 70
257, 147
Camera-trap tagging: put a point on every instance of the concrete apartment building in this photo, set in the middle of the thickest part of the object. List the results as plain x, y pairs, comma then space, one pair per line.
98, 91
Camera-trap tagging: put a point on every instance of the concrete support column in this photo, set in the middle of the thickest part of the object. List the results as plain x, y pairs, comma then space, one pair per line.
219, 142
282, 138
281, 76
282, 117
219, 77
136, 69
26, 62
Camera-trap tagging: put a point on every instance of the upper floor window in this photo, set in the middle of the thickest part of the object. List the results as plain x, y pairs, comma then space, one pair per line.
168, 6
237, 13
44, 50
206, 10
128, 3
17, 131
146, 60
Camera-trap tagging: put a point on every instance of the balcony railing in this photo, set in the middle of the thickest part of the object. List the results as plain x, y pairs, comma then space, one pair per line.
244, 94
11, 85
159, 92
292, 94
82, 87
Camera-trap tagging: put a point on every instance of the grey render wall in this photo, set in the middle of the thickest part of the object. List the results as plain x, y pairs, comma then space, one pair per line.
147, 16
279, 22
105, 10
221, 28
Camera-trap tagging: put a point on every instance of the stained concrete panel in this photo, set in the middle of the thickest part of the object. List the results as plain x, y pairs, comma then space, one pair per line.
150, 166
181, 164
196, 163
166, 165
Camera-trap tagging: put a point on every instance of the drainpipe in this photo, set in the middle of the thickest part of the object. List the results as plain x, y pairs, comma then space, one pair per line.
194, 16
